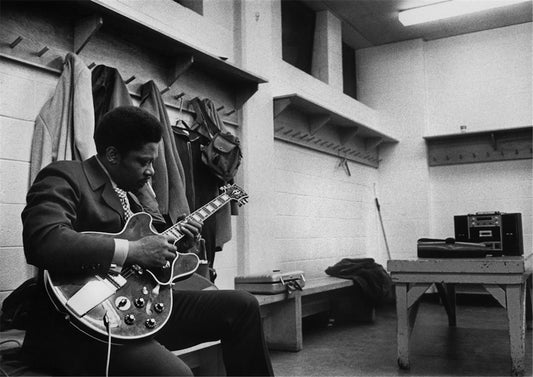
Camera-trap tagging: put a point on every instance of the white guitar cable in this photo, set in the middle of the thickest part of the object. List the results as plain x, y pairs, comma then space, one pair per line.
108, 358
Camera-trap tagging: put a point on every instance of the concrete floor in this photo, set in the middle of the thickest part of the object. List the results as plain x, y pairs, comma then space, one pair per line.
478, 346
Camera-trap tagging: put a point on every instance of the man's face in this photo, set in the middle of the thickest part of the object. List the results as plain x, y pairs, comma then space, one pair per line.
135, 168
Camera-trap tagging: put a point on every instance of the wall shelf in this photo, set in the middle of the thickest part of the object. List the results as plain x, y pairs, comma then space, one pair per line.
74, 26
482, 146
300, 121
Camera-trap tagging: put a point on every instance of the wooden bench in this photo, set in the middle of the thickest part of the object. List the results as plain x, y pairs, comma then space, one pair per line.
283, 312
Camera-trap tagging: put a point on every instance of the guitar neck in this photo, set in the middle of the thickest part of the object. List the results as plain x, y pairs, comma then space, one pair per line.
201, 213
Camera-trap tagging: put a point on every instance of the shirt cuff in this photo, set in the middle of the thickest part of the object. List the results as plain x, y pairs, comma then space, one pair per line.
121, 251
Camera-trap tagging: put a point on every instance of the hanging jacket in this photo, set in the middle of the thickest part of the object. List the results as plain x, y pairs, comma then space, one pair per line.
169, 178
65, 125
110, 91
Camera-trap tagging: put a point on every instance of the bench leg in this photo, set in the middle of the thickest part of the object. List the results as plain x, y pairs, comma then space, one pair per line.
516, 297
282, 324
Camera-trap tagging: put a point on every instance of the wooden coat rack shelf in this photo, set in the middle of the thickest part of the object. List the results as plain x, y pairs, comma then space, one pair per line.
300, 121
483, 146
25, 43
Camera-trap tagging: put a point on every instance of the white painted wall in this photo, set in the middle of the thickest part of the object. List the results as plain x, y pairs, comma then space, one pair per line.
482, 80
210, 33
391, 80
28, 90
321, 212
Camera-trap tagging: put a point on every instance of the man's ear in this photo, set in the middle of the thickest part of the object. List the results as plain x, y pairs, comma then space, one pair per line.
112, 155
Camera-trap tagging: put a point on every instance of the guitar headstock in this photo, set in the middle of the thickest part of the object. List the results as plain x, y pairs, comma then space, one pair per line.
236, 193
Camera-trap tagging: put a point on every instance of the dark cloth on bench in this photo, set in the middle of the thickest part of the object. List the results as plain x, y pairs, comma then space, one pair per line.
370, 276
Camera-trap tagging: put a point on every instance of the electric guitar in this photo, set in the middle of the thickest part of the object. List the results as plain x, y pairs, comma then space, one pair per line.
137, 302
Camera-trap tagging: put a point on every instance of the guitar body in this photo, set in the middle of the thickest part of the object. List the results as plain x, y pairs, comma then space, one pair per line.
61, 289
137, 302
136, 310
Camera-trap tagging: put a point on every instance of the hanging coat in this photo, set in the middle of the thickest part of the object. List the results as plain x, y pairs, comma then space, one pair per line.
110, 91
169, 178
65, 125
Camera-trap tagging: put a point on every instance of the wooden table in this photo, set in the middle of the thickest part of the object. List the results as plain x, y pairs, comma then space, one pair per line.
506, 278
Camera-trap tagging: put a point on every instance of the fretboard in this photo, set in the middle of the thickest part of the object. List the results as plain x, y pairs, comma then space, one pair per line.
200, 214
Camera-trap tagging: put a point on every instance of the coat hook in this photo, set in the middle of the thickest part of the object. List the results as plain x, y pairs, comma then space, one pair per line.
474, 155
15, 42
43, 51
460, 156
129, 80
516, 151
230, 112
178, 96
91, 66
220, 108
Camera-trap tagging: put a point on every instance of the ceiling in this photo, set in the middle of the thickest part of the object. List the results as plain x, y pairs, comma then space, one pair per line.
368, 23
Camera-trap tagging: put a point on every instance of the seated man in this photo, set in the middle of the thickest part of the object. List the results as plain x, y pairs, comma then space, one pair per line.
71, 197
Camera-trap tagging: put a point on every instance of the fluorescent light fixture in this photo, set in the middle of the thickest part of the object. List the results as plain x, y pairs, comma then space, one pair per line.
451, 8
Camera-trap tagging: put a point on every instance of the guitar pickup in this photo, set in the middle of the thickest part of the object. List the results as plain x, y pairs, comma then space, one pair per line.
93, 293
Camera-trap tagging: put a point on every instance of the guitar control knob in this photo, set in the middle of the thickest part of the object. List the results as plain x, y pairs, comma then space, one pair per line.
129, 319
150, 323
159, 307
122, 303
140, 302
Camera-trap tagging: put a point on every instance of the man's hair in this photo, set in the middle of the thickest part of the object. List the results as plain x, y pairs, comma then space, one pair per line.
126, 128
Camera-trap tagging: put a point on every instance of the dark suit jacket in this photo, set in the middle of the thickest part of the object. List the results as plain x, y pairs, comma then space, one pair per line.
67, 197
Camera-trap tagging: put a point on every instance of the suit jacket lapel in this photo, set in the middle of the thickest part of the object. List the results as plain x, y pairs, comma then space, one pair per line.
99, 180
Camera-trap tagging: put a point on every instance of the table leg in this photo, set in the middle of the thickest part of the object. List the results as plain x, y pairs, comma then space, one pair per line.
403, 330
447, 296
516, 297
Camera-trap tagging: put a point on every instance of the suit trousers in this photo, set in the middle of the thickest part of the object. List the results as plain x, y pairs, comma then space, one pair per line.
197, 316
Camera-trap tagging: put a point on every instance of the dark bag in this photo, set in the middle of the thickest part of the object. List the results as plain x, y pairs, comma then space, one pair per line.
16, 306
223, 155
449, 248
222, 151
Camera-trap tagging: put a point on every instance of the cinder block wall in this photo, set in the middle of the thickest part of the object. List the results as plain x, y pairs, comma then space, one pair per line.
322, 212
28, 90
482, 80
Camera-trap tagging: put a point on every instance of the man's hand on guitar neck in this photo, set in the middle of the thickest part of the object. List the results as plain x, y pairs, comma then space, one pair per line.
152, 251
191, 230
155, 250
